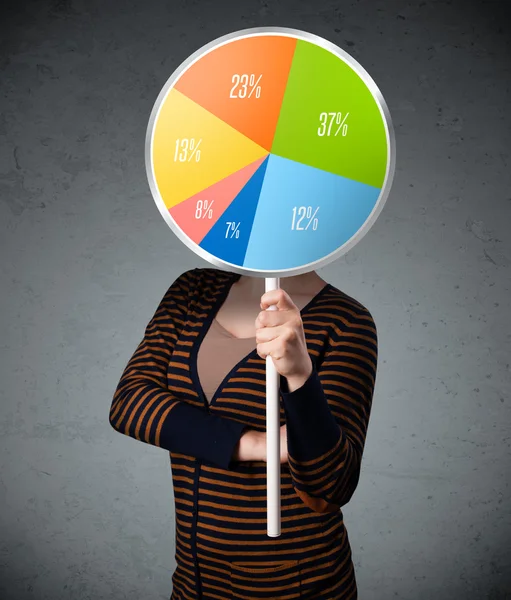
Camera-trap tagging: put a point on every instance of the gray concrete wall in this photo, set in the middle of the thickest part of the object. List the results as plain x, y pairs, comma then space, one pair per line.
86, 257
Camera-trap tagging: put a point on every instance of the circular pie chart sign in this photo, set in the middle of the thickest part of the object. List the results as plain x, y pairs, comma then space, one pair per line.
270, 151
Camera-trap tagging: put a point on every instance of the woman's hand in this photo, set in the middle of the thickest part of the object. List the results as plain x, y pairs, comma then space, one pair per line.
280, 334
252, 446
283, 446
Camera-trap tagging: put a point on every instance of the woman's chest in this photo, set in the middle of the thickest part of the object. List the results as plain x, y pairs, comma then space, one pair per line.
217, 344
238, 316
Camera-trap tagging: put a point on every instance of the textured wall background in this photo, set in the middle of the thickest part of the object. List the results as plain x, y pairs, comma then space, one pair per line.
86, 257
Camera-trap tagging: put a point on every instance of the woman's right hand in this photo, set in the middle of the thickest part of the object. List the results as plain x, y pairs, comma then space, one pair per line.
252, 446
283, 444
261, 445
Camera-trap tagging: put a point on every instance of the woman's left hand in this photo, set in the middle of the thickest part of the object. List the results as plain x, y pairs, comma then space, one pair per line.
280, 334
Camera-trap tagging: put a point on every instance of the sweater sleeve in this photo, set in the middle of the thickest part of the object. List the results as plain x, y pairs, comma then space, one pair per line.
327, 417
144, 408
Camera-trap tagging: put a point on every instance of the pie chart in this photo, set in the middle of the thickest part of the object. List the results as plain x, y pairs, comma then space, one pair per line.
270, 150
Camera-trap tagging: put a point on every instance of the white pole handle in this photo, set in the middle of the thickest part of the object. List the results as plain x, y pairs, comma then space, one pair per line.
272, 434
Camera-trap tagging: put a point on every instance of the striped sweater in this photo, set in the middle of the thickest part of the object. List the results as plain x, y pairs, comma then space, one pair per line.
222, 548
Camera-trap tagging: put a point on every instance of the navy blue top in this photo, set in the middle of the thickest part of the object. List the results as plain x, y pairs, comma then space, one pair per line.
222, 548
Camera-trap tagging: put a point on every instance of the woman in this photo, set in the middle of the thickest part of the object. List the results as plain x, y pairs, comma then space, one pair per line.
196, 386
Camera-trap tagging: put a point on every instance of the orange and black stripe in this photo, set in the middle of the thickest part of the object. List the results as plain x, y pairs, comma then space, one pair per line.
222, 549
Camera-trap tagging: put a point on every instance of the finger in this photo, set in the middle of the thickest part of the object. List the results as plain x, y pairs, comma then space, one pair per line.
278, 297
267, 334
272, 348
272, 318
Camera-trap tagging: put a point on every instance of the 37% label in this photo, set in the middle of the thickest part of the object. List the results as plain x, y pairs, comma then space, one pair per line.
327, 120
